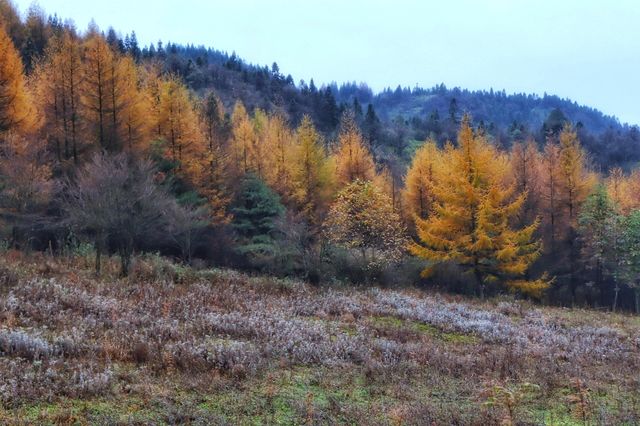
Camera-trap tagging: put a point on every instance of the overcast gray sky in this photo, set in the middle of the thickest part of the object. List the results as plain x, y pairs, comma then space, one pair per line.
586, 50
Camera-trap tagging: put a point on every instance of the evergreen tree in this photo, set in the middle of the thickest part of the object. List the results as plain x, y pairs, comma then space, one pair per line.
255, 212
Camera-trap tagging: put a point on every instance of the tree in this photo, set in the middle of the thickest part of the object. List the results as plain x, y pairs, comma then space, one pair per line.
96, 78
37, 33
242, 140
575, 183
599, 233
550, 197
353, 159
256, 210
178, 123
311, 173
135, 105
471, 219
115, 200
418, 192
279, 151
630, 249
15, 109
57, 82
525, 171
27, 184
363, 221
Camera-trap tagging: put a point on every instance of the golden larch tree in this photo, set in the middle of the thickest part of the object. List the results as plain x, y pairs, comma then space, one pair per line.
15, 108
525, 175
242, 140
470, 221
278, 150
57, 86
352, 157
311, 173
418, 193
178, 123
136, 107
96, 62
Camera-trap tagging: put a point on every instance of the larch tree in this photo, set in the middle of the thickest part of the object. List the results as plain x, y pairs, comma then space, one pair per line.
470, 224
575, 184
418, 192
311, 173
96, 75
178, 123
242, 140
550, 196
257, 151
57, 82
15, 108
353, 159
134, 107
525, 173
278, 150
212, 176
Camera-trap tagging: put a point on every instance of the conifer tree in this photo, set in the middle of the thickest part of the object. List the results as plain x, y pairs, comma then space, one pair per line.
242, 140
279, 152
178, 123
353, 159
311, 173
418, 192
57, 85
525, 165
15, 107
97, 58
470, 222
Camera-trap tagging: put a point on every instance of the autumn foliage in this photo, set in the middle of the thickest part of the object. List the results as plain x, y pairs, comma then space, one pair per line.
514, 218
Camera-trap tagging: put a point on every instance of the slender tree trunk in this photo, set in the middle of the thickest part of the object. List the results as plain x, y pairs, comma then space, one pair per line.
98, 246
637, 294
616, 290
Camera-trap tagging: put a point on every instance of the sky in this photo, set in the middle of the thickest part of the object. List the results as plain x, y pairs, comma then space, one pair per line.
588, 50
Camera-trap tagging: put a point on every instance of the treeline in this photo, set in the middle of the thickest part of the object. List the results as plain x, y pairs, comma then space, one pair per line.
101, 146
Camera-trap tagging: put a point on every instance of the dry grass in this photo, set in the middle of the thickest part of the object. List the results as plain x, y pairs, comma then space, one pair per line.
172, 345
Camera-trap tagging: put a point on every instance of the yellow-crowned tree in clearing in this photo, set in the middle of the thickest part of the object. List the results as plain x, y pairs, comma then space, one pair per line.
418, 193
470, 221
353, 159
363, 221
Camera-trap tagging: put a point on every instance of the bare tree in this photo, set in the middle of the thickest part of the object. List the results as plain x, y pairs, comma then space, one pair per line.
115, 200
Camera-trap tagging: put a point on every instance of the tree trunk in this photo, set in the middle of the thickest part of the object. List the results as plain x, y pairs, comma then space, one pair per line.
637, 294
616, 290
98, 247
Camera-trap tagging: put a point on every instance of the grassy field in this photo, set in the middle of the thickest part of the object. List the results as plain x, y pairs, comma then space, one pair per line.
172, 345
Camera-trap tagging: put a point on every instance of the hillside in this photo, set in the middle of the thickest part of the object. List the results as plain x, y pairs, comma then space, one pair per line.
434, 112
173, 345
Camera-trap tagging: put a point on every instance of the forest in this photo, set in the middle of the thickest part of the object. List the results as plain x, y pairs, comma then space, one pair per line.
118, 149
188, 238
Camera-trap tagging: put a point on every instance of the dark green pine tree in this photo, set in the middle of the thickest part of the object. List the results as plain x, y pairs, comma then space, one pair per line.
371, 126
255, 212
